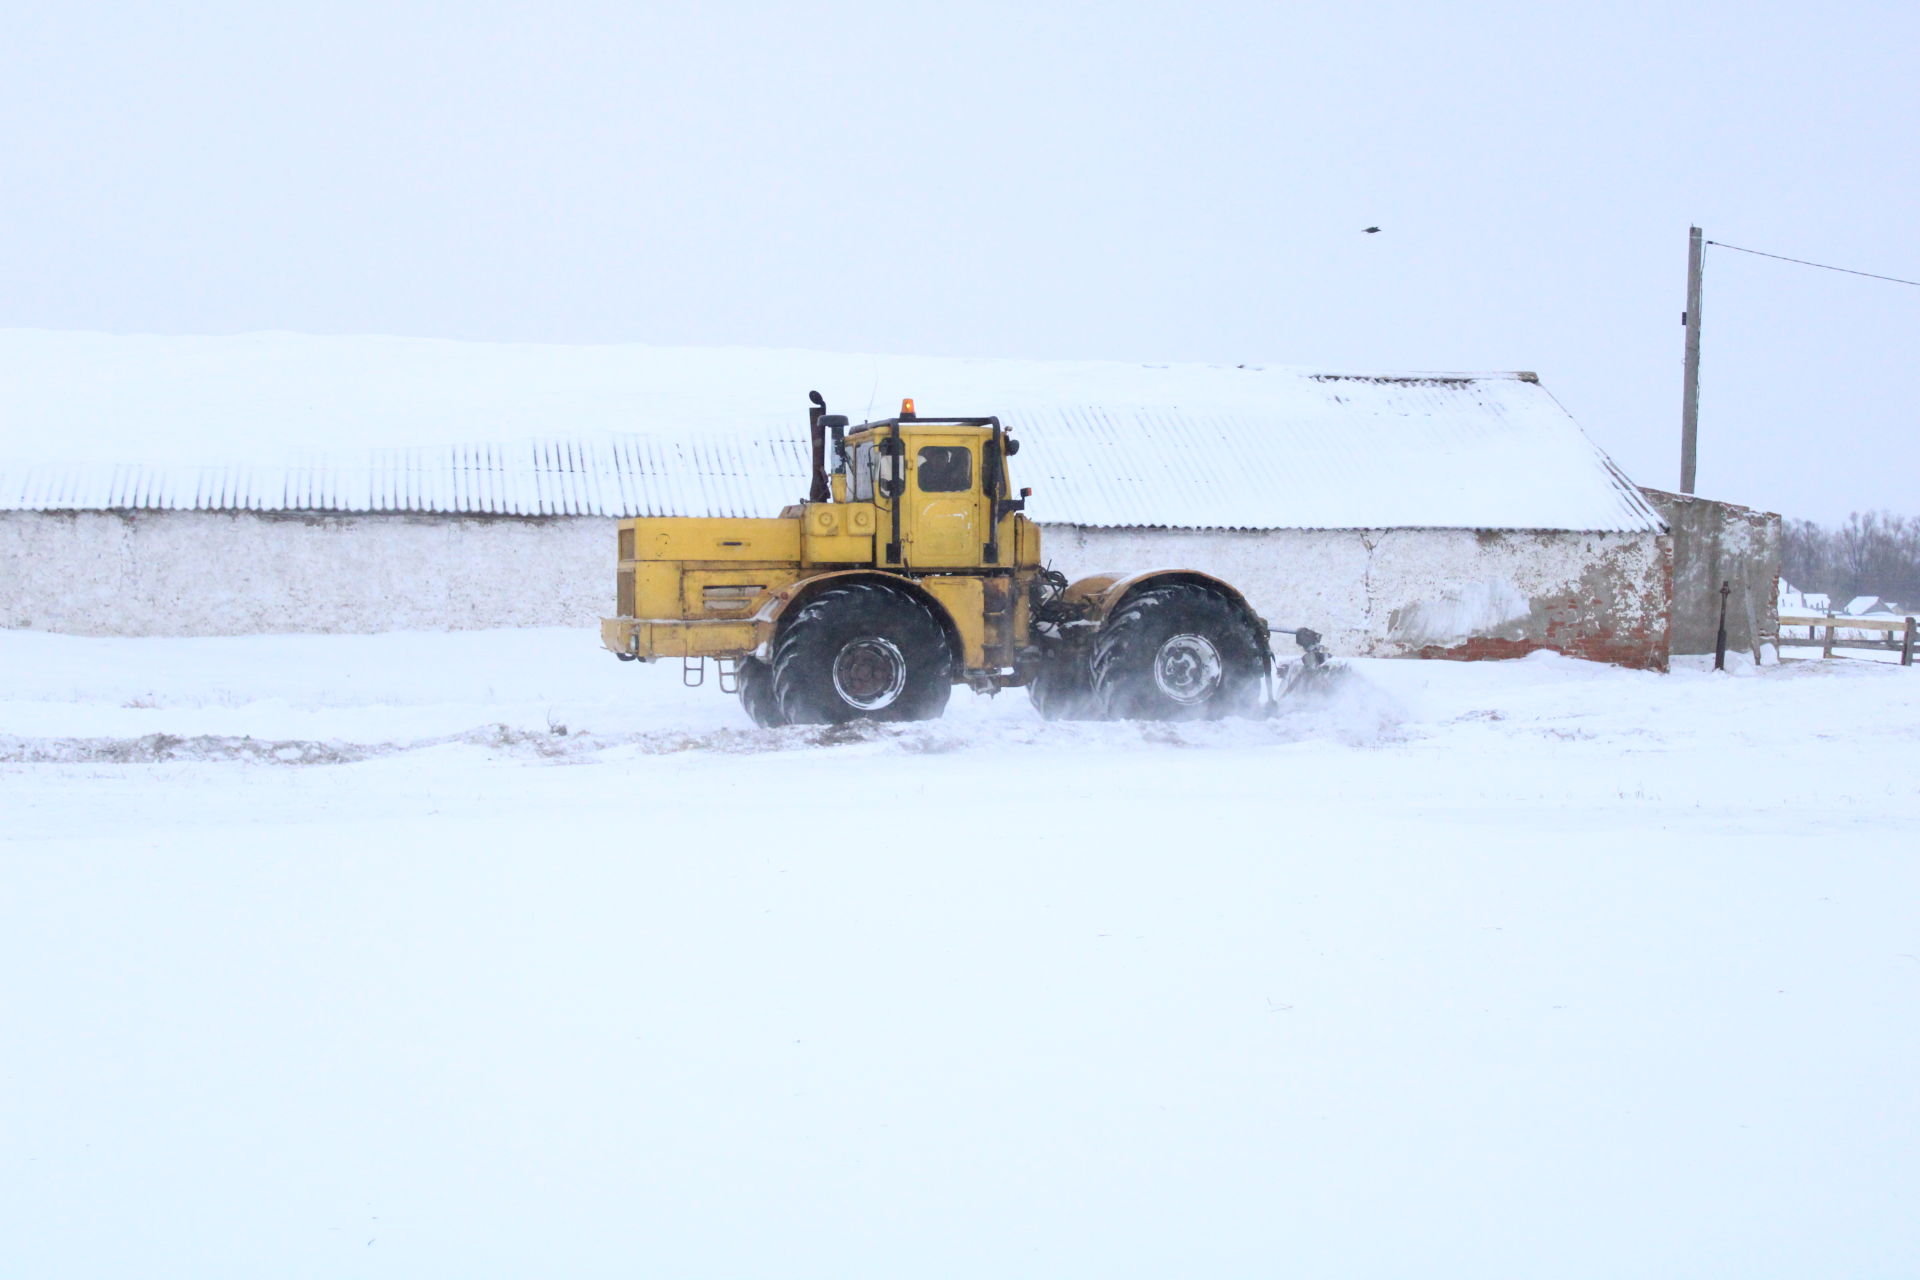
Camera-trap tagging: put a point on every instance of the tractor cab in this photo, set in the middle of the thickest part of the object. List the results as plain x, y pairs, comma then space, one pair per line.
937, 487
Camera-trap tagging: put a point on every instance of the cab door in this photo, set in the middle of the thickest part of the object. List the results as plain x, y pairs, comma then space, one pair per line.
945, 514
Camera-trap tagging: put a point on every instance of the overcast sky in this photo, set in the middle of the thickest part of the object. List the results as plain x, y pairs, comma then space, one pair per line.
1119, 181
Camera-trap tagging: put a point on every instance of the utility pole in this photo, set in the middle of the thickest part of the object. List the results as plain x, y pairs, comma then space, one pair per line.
1690, 393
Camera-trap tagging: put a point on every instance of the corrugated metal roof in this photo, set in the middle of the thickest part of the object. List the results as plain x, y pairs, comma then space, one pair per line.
624, 476
1474, 453
1482, 452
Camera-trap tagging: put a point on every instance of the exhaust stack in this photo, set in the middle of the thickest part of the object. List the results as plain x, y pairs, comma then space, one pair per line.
819, 492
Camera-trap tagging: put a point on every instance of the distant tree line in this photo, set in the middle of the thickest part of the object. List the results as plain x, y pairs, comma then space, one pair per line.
1873, 553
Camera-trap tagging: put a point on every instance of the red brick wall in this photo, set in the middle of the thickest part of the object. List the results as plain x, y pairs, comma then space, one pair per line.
1589, 625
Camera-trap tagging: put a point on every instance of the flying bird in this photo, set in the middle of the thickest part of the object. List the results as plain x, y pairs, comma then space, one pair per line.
1372, 230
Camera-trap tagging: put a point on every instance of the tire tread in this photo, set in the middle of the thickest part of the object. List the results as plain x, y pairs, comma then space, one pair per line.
803, 655
1124, 651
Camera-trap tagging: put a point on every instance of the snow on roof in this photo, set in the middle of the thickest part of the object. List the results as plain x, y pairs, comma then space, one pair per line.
1794, 600
292, 422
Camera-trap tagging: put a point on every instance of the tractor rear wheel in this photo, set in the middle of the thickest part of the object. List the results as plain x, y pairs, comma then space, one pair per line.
861, 652
1178, 652
756, 693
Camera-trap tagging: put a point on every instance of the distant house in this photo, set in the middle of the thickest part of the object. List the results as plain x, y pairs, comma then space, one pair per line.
380, 484
1864, 606
1796, 601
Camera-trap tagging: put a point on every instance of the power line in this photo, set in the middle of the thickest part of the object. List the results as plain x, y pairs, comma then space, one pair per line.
1721, 244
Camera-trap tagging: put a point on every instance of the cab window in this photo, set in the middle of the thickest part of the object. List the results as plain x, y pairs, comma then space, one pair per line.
860, 474
944, 468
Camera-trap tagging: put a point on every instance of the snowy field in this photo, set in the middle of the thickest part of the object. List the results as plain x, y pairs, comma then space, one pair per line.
481, 954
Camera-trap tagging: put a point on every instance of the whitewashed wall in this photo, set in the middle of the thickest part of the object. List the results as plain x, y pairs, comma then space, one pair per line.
1440, 592
192, 573
1379, 592
1716, 543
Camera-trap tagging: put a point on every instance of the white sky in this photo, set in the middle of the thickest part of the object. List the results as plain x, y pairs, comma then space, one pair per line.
1041, 180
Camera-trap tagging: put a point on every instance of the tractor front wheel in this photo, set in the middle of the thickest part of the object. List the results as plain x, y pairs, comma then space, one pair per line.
861, 652
1177, 652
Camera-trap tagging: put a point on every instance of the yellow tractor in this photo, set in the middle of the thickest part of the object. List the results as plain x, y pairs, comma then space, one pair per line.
910, 568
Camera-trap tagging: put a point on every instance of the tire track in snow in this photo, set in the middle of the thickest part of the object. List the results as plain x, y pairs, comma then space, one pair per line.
1359, 726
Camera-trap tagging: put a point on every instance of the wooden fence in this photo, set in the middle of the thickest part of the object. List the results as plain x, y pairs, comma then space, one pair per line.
1897, 633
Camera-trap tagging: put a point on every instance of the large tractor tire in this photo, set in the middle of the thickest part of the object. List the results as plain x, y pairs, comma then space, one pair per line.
861, 652
1178, 652
756, 693
1062, 688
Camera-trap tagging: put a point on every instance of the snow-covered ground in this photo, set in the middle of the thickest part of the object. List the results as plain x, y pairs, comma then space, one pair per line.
336, 956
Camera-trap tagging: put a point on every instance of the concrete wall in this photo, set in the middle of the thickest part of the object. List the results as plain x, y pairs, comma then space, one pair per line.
1715, 543
1437, 593
1434, 593
192, 573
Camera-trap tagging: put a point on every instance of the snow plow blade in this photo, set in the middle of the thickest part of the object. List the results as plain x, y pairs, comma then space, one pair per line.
1315, 673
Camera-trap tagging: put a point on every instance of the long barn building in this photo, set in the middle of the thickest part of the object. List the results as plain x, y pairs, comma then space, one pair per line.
1433, 515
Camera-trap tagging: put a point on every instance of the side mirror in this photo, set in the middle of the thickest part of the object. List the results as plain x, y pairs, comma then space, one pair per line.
1013, 446
893, 468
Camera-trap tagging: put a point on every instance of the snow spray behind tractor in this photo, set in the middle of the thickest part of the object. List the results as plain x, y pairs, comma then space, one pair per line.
912, 567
